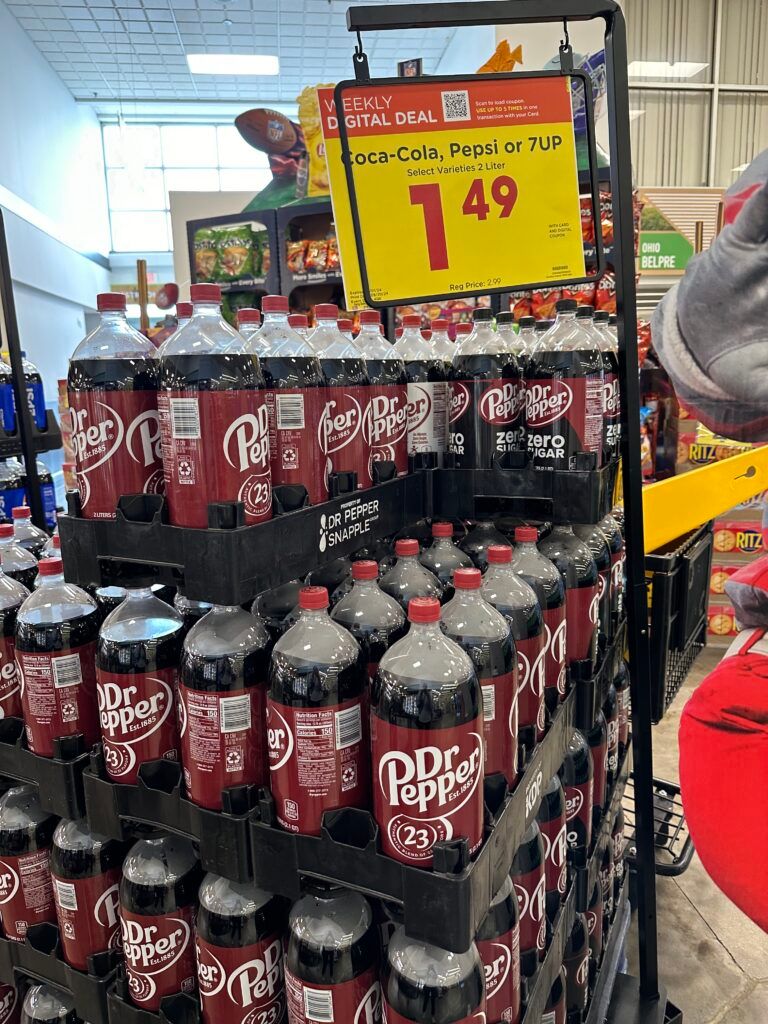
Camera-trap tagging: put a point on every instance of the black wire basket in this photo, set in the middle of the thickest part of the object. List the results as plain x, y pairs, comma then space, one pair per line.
678, 576
674, 846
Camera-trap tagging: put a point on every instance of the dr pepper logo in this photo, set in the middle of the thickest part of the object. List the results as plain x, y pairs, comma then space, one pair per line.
386, 419
340, 423
246, 442
502, 404
105, 436
547, 403
257, 982
460, 400
419, 406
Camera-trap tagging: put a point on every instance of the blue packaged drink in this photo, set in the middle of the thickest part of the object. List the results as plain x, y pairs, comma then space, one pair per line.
35, 393
7, 403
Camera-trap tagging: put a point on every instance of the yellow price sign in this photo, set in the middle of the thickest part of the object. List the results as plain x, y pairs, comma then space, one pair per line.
457, 186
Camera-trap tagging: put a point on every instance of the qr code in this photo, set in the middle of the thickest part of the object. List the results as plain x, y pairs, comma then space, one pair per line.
456, 106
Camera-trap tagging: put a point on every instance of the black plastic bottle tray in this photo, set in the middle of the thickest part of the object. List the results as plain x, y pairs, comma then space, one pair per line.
39, 958
116, 809
59, 779
444, 906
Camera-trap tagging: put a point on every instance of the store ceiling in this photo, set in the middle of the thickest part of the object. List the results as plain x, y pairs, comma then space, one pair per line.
136, 49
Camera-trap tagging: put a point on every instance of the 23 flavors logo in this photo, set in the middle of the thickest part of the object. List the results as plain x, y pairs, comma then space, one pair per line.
137, 721
246, 447
425, 793
244, 985
159, 955
117, 447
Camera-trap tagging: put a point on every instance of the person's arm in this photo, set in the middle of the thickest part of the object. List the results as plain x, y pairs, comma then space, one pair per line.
711, 330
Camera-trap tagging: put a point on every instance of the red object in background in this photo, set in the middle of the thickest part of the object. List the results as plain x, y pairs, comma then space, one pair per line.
724, 738
167, 296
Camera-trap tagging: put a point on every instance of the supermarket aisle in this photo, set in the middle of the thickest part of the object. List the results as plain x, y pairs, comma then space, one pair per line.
712, 958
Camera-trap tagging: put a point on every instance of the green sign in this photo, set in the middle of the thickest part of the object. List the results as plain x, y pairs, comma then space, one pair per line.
664, 252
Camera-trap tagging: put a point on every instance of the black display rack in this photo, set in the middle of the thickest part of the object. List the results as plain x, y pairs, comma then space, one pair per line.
230, 563
59, 778
39, 959
27, 440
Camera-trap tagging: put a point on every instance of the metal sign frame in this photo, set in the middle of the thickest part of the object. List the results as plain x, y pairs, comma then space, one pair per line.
651, 1005
403, 83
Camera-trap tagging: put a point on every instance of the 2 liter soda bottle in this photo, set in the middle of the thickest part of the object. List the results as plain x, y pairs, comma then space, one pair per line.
112, 392
56, 631
239, 944
426, 742
222, 696
317, 718
137, 663
213, 418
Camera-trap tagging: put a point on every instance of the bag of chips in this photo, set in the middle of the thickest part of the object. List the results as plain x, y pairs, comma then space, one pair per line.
316, 256
332, 263
294, 256
234, 244
260, 246
206, 255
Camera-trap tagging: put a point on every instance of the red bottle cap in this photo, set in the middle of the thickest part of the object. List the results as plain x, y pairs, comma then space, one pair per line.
326, 311
442, 529
205, 293
22, 512
526, 534
463, 329
183, 310
406, 546
500, 554
313, 598
6, 530
106, 301
424, 609
467, 579
248, 316
426, 335
274, 304
370, 316
346, 325
298, 320
412, 320
439, 325
398, 333
50, 566
365, 569
57, 541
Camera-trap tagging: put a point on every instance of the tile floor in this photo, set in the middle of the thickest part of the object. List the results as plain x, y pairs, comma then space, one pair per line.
713, 960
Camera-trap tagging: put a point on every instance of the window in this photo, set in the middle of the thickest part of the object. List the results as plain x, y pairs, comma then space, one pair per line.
144, 162
699, 89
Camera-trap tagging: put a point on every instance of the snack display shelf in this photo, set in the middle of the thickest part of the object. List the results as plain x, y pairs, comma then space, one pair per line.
289, 280
265, 220
244, 284
39, 959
